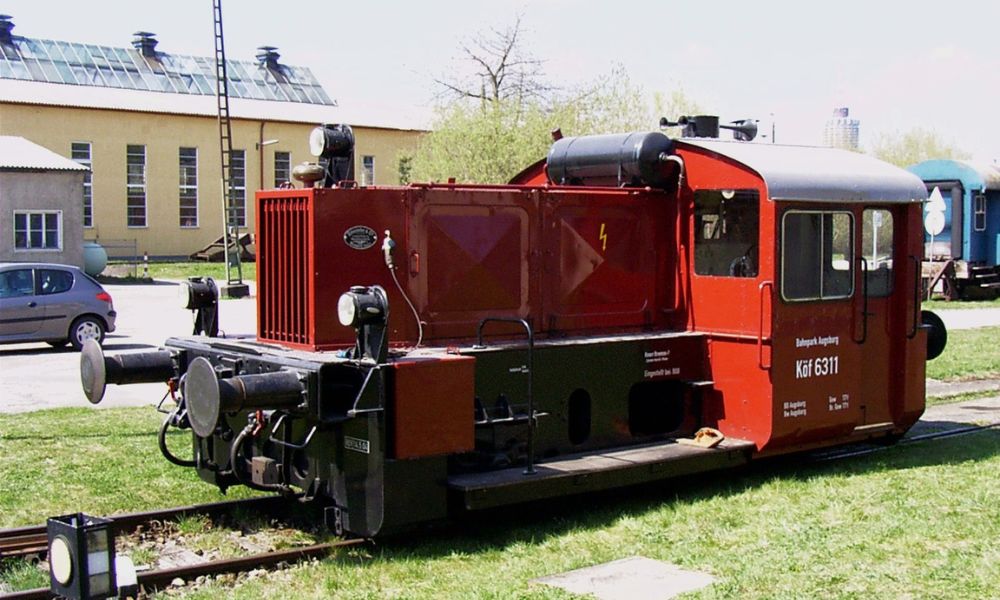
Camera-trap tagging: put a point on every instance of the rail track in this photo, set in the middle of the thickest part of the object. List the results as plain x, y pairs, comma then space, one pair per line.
25, 541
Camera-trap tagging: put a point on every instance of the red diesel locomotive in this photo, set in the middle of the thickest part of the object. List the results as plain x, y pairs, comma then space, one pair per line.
633, 308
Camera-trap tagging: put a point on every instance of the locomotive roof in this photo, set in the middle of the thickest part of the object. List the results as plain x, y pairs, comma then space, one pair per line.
977, 175
819, 174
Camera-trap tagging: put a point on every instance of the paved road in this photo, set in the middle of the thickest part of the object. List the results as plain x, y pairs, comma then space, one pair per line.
970, 318
35, 376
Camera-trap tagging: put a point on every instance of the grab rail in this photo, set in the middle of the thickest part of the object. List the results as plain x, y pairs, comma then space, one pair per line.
864, 306
760, 324
530, 470
917, 296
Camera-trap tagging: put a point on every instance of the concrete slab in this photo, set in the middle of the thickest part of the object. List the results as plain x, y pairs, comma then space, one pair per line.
634, 578
969, 318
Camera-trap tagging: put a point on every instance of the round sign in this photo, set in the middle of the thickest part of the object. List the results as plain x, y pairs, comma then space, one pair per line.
61, 560
934, 222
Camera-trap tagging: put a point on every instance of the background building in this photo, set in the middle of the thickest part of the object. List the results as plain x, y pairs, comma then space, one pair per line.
841, 131
40, 204
145, 123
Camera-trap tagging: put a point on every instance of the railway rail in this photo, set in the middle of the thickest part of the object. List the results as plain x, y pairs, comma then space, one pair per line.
162, 577
25, 541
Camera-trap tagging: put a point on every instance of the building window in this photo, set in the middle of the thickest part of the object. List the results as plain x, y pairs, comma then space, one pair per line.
726, 231
282, 168
38, 230
80, 152
238, 189
188, 191
368, 170
135, 159
817, 262
979, 212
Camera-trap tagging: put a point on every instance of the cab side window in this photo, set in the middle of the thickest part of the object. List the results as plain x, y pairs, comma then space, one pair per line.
726, 227
18, 282
817, 261
877, 251
52, 281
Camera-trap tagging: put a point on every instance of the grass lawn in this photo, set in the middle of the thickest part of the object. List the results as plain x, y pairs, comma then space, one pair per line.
945, 305
970, 354
183, 270
919, 520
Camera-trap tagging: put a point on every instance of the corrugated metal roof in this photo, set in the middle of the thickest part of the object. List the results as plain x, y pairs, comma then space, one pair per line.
820, 174
89, 65
19, 154
52, 94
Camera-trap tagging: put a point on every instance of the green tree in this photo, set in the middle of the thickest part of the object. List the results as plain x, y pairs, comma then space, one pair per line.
905, 148
492, 140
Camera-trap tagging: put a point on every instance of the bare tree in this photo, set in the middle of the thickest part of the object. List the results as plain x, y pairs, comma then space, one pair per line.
502, 68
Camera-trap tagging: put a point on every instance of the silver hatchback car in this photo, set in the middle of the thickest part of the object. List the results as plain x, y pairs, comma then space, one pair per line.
41, 302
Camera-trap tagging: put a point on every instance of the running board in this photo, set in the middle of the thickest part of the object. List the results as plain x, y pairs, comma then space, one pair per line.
594, 471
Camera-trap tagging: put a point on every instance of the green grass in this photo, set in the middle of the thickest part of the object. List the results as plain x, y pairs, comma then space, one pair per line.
962, 397
970, 354
96, 461
945, 305
183, 270
918, 520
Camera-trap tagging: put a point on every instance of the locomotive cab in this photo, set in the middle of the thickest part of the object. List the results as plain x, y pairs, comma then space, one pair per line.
828, 289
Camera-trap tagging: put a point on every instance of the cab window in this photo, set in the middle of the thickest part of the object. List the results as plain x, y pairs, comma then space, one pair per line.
817, 261
726, 231
877, 251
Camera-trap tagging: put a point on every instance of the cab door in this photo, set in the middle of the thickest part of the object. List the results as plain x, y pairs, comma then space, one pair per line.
880, 311
815, 362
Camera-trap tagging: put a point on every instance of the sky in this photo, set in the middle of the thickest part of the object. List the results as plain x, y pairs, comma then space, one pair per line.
896, 65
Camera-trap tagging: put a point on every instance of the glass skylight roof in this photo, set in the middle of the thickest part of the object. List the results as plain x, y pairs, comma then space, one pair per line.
103, 66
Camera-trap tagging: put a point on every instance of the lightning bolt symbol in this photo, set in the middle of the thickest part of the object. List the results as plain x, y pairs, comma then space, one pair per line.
604, 239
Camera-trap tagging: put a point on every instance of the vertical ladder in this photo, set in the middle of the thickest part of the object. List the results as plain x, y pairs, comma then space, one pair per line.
230, 222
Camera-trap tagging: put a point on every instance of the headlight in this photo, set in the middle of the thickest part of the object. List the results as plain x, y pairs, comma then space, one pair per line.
317, 141
362, 305
346, 309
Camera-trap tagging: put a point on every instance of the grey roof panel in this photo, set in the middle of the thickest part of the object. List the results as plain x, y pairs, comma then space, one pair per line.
820, 174
19, 154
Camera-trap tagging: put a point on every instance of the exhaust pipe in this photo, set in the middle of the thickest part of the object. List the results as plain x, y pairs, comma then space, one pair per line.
207, 396
98, 370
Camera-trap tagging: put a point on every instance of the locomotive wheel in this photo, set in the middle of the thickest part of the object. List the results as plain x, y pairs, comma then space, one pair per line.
937, 336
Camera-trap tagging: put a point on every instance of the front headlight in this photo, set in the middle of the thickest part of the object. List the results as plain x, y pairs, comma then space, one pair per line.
346, 309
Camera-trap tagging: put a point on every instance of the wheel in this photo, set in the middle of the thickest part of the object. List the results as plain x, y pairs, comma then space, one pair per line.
86, 328
57, 343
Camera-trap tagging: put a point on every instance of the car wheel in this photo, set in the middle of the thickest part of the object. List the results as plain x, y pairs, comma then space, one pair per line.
57, 343
86, 328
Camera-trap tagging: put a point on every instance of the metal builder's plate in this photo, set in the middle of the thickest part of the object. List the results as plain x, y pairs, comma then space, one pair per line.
634, 578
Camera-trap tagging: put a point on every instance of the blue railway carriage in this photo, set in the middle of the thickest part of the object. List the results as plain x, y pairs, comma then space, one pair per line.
965, 253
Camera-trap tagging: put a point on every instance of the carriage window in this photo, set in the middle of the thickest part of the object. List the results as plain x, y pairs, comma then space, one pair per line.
726, 229
817, 262
877, 250
979, 212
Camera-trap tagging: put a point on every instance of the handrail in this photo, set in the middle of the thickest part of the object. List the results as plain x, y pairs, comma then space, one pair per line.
760, 324
864, 306
300, 446
530, 470
917, 296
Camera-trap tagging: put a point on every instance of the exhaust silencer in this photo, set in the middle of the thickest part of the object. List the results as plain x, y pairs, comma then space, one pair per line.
207, 396
98, 370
